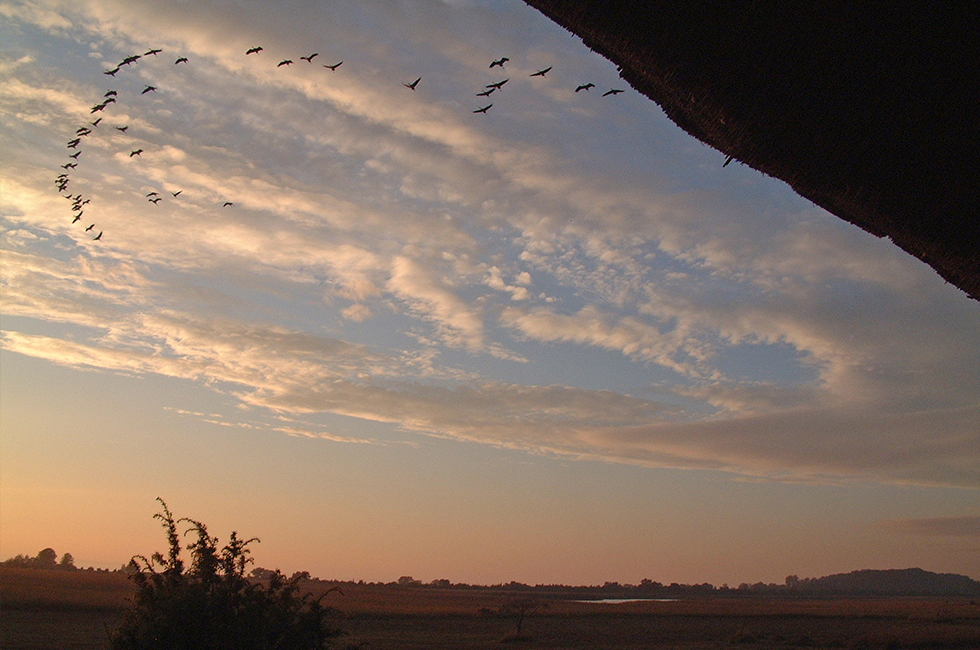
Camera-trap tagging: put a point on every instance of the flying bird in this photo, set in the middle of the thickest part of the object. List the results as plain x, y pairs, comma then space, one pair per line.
253, 50
613, 91
97, 237
176, 193
138, 152
728, 160
153, 52
77, 217
227, 204
121, 128
109, 100
334, 66
75, 155
309, 59
541, 73
152, 194
111, 73
285, 62
501, 61
69, 166
98, 107
130, 59
413, 84
96, 122
90, 227
73, 144
110, 93
585, 87
486, 93
148, 89
498, 85
155, 200
182, 59
484, 109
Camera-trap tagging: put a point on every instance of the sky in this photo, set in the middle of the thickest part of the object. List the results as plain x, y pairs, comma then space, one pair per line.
554, 342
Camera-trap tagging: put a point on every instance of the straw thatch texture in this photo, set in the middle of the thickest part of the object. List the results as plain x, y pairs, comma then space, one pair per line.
867, 109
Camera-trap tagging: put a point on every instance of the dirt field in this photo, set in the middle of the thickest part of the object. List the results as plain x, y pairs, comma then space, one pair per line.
51, 610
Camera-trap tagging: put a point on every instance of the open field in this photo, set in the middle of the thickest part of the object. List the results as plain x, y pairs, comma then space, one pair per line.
74, 610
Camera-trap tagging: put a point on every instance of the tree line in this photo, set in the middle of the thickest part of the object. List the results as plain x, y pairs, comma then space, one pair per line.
46, 559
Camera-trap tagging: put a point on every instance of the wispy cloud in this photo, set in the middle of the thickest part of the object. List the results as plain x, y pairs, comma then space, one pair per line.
391, 258
935, 526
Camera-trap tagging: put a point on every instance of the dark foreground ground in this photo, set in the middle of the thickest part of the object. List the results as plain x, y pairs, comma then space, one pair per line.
77, 611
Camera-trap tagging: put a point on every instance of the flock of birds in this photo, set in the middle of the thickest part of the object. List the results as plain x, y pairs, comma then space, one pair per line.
78, 201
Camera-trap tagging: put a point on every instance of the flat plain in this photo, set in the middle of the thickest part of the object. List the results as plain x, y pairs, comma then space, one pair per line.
76, 610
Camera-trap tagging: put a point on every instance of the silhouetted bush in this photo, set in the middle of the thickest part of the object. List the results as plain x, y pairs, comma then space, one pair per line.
213, 605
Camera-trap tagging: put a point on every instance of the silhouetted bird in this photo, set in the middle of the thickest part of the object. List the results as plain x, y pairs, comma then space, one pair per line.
541, 73
97, 237
585, 87
728, 160
130, 59
121, 128
486, 93
153, 194
498, 85
253, 50
90, 227
96, 122
501, 61
69, 166
153, 52
612, 91
75, 155
110, 93
149, 89
77, 218
284, 62
182, 59
227, 204
138, 152
484, 109
334, 66
413, 84
176, 193
309, 59
156, 200
98, 107
111, 73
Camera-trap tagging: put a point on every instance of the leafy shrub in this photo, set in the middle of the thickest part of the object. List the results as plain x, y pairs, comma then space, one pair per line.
213, 605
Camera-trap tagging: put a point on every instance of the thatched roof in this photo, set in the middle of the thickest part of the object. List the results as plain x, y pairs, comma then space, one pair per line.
867, 109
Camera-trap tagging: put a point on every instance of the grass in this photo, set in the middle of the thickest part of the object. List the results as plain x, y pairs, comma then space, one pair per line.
44, 610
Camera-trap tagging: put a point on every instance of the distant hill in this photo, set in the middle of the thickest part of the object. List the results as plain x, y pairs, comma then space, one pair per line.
890, 582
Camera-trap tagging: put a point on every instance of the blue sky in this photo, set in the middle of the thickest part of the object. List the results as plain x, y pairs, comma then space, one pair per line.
553, 342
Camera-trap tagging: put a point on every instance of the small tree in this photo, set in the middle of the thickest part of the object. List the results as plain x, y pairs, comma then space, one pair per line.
213, 605
46, 559
520, 608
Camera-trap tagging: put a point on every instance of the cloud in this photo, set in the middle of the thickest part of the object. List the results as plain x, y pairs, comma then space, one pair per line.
458, 323
935, 526
388, 256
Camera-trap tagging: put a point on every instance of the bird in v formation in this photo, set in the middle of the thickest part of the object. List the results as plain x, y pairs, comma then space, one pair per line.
110, 97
